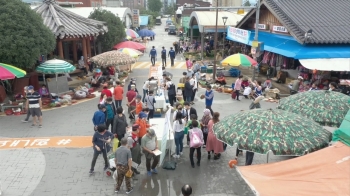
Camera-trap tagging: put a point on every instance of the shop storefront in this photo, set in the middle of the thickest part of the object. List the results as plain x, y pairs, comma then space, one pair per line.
319, 55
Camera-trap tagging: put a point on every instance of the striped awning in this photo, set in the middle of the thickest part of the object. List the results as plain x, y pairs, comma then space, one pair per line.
55, 66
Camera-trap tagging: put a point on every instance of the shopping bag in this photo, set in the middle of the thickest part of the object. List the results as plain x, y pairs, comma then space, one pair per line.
129, 173
115, 144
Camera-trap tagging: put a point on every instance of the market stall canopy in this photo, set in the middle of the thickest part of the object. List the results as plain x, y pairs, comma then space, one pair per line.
8, 72
66, 24
322, 173
328, 108
131, 33
206, 20
55, 66
146, 33
113, 58
239, 60
121, 12
332, 64
130, 44
131, 52
278, 131
343, 133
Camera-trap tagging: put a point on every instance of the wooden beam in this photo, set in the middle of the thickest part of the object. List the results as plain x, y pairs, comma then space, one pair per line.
75, 52
84, 50
88, 46
60, 48
72, 39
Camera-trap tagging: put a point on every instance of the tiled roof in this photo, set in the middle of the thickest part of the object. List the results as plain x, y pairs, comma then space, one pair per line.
328, 19
66, 24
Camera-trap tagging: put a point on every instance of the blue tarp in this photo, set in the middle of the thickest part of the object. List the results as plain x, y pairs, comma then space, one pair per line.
144, 20
287, 46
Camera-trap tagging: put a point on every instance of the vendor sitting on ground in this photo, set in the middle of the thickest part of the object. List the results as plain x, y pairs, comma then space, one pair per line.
220, 79
294, 86
267, 84
245, 83
44, 92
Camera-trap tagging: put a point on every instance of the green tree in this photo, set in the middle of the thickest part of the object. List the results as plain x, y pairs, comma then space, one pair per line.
23, 35
170, 10
154, 5
116, 29
247, 3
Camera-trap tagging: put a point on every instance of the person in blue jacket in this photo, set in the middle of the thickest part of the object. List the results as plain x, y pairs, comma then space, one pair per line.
209, 97
153, 55
172, 55
99, 116
100, 141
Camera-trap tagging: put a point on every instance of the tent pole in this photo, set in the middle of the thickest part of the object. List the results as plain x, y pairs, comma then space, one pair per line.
56, 84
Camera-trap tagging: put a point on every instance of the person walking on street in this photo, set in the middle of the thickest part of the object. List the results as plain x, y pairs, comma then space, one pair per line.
188, 90
178, 129
99, 116
213, 144
153, 55
118, 94
149, 144
131, 98
170, 87
172, 55
34, 105
110, 112
168, 74
100, 141
238, 86
196, 66
145, 88
209, 97
196, 142
142, 122
163, 57
123, 161
120, 124
150, 101
182, 82
204, 124
133, 144
106, 91
194, 83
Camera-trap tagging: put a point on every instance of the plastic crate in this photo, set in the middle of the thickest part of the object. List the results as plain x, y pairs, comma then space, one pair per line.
210, 70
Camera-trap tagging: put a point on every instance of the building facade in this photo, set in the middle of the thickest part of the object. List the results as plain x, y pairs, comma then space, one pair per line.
187, 12
227, 3
133, 4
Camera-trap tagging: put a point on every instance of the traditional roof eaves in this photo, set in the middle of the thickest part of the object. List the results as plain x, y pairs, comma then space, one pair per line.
64, 23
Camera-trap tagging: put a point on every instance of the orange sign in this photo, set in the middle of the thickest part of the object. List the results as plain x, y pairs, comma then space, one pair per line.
46, 142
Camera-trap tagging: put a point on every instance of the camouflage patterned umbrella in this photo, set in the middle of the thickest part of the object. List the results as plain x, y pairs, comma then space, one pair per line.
281, 132
328, 108
113, 58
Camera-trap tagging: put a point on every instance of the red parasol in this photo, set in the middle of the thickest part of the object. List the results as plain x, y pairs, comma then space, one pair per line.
130, 44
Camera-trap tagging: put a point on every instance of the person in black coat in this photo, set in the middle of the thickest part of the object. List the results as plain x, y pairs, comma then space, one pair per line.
190, 110
188, 90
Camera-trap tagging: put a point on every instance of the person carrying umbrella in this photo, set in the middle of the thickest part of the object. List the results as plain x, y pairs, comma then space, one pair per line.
153, 55
163, 57
172, 55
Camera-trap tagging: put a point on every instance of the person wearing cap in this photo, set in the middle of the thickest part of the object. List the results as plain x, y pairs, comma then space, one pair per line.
99, 116
34, 106
123, 161
149, 144
106, 91
131, 98
100, 142
172, 55
163, 55
294, 86
141, 121
134, 146
153, 55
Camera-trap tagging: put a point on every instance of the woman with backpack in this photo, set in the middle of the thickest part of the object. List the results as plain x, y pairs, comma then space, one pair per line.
196, 142
178, 128
213, 144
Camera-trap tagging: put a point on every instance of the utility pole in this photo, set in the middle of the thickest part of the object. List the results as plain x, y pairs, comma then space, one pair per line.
257, 50
215, 39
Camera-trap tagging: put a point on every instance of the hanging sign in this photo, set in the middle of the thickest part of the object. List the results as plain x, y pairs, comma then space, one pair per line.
238, 35
135, 18
281, 29
261, 26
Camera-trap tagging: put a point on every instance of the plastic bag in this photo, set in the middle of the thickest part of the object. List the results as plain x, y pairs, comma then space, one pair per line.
115, 144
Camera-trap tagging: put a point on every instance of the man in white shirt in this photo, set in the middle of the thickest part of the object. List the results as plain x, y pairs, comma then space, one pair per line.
194, 83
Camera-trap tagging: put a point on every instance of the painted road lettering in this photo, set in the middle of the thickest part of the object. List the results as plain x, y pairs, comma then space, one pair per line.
49, 142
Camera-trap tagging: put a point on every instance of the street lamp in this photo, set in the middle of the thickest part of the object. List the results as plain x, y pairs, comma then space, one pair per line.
224, 20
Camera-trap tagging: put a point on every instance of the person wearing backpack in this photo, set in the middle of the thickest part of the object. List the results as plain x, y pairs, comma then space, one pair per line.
150, 100
181, 110
170, 87
178, 129
213, 144
196, 142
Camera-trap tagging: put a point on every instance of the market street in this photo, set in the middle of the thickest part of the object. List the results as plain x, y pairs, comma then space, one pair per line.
64, 171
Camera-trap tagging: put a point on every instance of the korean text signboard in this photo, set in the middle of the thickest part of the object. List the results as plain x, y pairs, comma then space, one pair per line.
135, 18
238, 35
